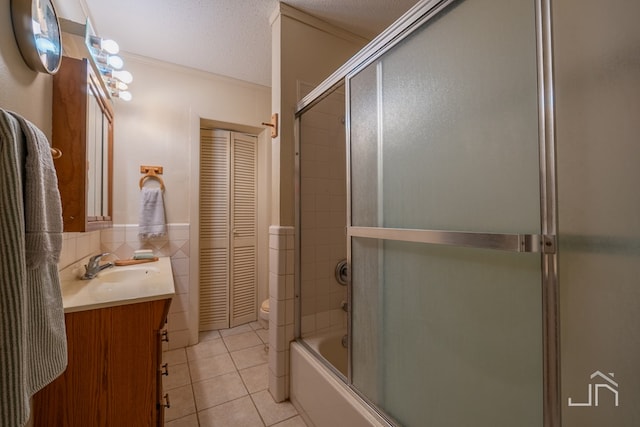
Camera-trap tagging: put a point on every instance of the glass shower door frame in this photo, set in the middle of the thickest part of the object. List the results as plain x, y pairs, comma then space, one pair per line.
543, 243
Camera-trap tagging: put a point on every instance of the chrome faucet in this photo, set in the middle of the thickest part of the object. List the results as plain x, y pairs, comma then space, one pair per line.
93, 267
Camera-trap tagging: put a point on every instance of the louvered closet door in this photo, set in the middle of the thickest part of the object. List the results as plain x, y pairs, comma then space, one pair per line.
215, 168
243, 238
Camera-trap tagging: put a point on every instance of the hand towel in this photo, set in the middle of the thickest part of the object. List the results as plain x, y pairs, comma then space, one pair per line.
33, 347
152, 223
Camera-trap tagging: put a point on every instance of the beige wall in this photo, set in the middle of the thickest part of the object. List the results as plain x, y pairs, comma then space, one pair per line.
22, 90
160, 126
304, 50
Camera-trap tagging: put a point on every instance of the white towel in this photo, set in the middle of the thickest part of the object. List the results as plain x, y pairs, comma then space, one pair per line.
33, 346
152, 223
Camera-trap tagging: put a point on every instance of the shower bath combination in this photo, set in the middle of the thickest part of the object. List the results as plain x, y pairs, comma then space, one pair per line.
442, 115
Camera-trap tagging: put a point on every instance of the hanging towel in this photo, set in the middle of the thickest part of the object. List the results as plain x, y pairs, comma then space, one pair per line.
33, 345
151, 223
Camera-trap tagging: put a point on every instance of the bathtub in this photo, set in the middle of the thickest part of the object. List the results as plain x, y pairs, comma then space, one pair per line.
329, 345
321, 398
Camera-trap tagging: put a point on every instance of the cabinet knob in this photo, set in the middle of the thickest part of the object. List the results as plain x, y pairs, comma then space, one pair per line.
165, 369
164, 335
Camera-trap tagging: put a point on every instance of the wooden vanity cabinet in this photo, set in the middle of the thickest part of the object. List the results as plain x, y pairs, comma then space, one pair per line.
114, 373
83, 130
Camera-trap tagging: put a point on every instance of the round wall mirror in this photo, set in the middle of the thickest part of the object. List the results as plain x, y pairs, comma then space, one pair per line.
37, 31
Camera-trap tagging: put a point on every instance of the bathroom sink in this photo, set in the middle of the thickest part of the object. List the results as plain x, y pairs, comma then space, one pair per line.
127, 274
116, 285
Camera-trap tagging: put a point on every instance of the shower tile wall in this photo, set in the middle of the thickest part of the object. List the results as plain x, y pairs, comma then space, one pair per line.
122, 240
323, 215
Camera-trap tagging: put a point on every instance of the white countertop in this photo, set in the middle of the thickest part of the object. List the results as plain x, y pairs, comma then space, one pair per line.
116, 285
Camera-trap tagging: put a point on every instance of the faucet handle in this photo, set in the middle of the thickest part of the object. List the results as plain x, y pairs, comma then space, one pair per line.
95, 260
95, 257
93, 266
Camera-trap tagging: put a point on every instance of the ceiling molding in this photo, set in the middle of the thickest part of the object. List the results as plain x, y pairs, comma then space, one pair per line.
183, 69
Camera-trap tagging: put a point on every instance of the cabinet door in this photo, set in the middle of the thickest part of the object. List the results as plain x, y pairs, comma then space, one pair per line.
132, 366
112, 376
76, 398
83, 130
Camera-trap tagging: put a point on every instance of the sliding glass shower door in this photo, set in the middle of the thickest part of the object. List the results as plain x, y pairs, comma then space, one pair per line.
446, 226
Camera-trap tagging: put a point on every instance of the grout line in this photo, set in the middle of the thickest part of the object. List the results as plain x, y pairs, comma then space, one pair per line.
193, 392
257, 410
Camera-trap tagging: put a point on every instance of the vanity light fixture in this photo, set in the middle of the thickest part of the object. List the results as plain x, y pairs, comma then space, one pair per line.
125, 95
124, 76
118, 85
104, 53
107, 45
115, 62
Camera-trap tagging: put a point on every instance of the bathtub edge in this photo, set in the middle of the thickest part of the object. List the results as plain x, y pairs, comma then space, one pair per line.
323, 400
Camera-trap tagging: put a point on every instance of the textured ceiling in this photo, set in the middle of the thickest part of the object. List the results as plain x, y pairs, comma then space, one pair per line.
226, 37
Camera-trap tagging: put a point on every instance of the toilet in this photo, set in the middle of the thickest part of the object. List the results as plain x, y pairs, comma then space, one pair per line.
263, 314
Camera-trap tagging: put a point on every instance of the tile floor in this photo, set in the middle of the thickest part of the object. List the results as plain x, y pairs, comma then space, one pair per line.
222, 381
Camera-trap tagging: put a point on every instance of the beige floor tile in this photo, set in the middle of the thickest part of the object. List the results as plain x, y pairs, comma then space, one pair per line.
188, 421
242, 341
237, 330
296, 421
208, 335
270, 411
182, 403
202, 369
178, 376
255, 325
256, 378
205, 349
217, 390
237, 413
174, 357
249, 357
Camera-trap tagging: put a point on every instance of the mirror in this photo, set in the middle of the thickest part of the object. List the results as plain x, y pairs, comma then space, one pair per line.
97, 159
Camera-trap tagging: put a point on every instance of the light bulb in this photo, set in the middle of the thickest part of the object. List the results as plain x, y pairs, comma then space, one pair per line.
123, 76
115, 62
110, 46
125, 96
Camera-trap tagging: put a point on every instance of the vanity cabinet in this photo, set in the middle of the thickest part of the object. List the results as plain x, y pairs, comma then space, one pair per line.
114, 373
83, 131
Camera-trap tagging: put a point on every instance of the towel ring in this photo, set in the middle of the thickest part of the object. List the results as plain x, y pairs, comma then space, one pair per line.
152, 175
56, 153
